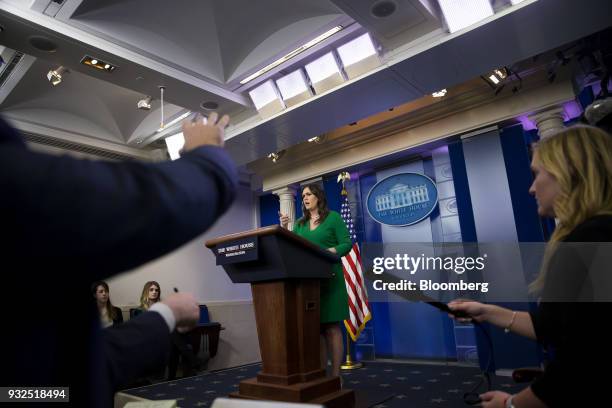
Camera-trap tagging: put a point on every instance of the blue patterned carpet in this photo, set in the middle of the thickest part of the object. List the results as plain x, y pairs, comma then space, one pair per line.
377, 384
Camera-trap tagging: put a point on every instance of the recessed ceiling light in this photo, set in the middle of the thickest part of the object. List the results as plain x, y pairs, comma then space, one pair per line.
209, 105
97, 63
42, 43
292, 54
383, 8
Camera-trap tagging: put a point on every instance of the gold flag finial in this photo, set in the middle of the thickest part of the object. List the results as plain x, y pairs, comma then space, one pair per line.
343, 177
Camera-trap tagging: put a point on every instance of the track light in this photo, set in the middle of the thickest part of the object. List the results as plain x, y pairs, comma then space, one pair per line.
440, 93
145, 103
317, 139
55, 75
276, 156
496, 77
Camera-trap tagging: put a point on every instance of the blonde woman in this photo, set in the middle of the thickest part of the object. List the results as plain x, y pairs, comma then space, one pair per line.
151, 294
573, 183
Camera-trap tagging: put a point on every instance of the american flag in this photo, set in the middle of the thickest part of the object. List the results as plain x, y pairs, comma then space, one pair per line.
359, 308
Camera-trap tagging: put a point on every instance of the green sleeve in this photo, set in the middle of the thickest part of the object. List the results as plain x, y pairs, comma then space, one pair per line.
296, 228
342, 235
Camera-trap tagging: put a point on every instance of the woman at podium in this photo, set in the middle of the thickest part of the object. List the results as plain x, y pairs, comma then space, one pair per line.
326, 229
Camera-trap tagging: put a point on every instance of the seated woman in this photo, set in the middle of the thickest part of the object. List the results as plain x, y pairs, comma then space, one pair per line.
151, 294
573, 183
109, 314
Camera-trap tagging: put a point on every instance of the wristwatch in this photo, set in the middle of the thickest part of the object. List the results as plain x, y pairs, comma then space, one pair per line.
509, 403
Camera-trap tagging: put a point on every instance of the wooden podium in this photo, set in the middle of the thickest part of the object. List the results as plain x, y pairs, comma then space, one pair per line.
284, 272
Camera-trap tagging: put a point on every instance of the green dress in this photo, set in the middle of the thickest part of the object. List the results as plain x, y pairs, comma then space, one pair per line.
331, 233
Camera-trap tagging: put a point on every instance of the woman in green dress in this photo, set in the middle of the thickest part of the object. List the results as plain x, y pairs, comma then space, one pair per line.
326, 229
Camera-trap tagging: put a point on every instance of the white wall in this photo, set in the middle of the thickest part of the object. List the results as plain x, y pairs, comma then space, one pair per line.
192, 267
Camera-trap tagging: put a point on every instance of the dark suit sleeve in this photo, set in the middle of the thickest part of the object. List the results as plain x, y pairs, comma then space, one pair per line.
135, 348
108, 217
119, 316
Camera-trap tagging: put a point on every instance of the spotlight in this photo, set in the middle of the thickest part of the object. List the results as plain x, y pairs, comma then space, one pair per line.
440, 93
318, 139
276, 156
145, 103
599, 113
496, 77
55, 75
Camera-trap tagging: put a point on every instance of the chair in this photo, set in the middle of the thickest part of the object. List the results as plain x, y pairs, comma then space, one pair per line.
135, 311
208, 330
204, 317
526, 374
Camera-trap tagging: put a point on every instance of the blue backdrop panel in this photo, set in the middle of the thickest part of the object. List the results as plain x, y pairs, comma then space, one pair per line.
268, 210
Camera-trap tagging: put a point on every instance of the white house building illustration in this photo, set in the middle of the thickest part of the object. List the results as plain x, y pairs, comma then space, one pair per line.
400, 196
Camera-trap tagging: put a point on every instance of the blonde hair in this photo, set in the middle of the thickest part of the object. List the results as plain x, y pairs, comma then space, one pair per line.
580, 159
144, 297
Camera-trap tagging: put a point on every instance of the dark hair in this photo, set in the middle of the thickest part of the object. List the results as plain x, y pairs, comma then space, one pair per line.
318, 192
110, 310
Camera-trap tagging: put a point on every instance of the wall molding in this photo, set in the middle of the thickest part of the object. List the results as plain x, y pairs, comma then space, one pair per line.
420, 126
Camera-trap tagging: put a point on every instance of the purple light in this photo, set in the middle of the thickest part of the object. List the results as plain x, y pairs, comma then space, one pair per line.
572, 110
527, 123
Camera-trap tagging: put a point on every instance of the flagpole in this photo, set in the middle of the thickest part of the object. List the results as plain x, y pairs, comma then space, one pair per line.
353, 273
349, 364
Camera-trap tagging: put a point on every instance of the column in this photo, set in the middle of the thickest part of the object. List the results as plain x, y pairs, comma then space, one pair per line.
286, 196
549, 121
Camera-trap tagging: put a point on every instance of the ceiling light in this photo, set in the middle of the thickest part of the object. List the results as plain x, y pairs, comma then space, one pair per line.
460, 14
318, 139
356, 50
496, 77
294, 87
359, 56
209, 105
55, 75
145, 103
266, 99
324, 73
97, 63
276, 156
440, 93
174, 144
383, 8
515, 2
292, 54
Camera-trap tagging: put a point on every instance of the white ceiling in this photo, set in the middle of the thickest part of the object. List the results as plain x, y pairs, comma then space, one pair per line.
199, 50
